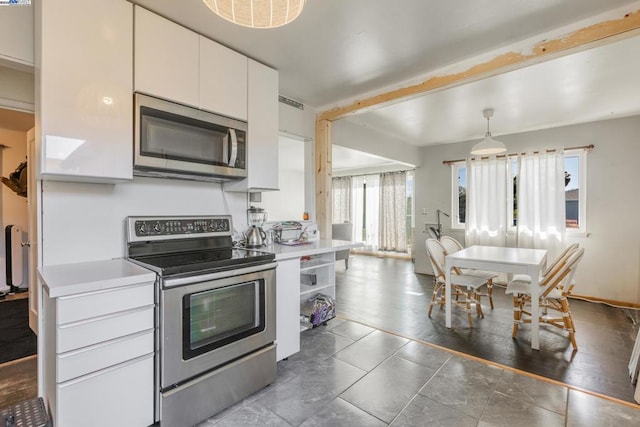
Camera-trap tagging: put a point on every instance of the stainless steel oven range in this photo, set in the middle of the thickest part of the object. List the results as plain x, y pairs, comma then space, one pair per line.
216, 314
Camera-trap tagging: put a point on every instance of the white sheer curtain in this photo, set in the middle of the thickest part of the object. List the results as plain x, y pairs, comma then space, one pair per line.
357, 203
366, 209
341, 192
541, 202
487, 190
393, 212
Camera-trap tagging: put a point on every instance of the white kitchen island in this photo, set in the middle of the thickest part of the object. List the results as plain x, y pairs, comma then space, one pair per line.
303, 270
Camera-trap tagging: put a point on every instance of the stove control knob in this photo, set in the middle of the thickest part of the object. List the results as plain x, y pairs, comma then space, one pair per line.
157, 228
213, 226
142, 229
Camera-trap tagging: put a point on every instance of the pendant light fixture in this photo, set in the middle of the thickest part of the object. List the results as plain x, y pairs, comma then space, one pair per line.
257, 13
488, 145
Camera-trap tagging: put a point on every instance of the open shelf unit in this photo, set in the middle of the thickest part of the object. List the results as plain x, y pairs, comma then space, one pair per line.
317, 275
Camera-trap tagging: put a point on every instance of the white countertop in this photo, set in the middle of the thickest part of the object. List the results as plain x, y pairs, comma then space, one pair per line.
69, 279
283, 252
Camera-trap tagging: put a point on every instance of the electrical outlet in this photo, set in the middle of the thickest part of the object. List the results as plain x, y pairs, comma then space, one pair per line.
424, 211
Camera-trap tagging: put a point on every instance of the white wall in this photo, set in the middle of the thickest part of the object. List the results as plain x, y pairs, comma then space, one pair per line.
14, 207
16, 89
297, 122
350, 135
288, 203
302, 124
610, 269
85, 222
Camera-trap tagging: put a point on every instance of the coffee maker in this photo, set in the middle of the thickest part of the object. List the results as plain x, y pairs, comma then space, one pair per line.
255, 236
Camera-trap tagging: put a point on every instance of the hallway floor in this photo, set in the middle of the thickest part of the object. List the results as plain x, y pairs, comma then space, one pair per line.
375, 366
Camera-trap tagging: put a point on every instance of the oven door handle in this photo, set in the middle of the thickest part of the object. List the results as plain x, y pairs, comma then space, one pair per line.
172, 283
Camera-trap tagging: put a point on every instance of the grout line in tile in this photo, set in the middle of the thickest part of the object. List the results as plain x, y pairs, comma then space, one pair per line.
362, 409
498, 365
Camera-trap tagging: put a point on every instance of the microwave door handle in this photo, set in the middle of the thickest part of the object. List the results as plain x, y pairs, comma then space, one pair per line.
225, 148
234, 148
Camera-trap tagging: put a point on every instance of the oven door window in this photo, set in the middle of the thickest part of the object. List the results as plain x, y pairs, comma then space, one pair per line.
215, 318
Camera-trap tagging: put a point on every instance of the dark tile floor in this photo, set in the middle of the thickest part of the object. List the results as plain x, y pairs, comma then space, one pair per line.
370, 372
387, 294
349, 374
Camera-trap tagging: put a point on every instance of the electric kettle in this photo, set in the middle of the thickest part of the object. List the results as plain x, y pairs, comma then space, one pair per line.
255, 237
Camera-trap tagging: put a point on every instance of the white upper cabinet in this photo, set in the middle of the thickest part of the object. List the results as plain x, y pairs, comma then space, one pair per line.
16, 35
166, 59
84, 97
262, 138
223, 80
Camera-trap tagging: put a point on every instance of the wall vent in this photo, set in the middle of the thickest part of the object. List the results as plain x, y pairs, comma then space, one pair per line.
291, 102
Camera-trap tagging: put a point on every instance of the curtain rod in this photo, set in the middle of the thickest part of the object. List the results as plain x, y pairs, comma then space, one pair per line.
582, 147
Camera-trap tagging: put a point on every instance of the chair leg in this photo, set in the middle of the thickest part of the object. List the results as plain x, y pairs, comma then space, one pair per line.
476, 299
517, 315
468, 310
434, 296
568, 322
490, 292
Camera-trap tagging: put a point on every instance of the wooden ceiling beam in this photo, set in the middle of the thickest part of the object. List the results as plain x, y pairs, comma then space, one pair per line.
583, 38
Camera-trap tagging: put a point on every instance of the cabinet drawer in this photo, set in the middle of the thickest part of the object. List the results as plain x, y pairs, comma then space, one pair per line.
85, 333
120, 396
90, 359
96, 304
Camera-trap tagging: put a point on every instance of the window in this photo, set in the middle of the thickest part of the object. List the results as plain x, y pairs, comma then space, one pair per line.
371, 216
458, 194
575, 192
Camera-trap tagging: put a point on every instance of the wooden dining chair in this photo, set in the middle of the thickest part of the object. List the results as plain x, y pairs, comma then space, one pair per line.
527, 279
451, 245
555, 287
462, 285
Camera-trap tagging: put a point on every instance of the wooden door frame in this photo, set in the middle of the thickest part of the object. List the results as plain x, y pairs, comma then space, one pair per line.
33, 258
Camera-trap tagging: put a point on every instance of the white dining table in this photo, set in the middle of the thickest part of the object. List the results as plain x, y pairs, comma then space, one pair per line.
507, 260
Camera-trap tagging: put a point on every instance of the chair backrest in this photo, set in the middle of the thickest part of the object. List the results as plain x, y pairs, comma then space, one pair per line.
436, 255
562, 256
450, 244
563, 272
557, 264
342, 231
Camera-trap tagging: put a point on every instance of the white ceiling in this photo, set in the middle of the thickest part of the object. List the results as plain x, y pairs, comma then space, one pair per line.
339, 50
591, 85
291, 158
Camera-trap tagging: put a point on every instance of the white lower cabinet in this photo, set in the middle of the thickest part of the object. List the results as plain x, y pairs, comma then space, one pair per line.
117, 396
287, 308
99, 357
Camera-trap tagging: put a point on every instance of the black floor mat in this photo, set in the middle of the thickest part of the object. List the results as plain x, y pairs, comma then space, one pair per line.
17, 340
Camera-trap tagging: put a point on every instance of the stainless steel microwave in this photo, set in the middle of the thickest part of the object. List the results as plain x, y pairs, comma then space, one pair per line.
175, 141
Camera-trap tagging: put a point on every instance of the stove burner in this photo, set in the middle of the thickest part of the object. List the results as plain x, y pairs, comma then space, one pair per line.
204, 261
